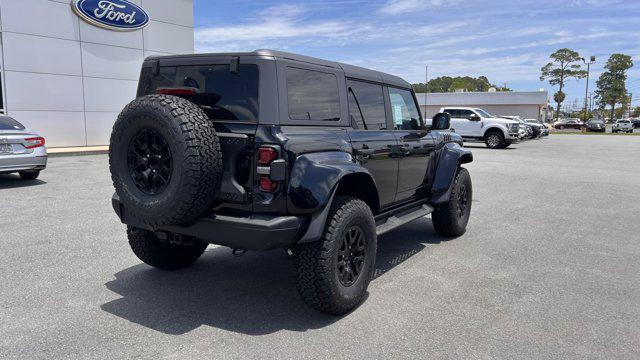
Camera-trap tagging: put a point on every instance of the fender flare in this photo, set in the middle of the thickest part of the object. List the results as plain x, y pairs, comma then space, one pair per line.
451, 157
314, 183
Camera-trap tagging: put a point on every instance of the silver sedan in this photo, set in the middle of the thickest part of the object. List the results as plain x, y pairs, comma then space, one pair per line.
21, 150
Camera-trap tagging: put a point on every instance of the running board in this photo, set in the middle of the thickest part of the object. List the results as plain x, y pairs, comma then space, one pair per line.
400, 219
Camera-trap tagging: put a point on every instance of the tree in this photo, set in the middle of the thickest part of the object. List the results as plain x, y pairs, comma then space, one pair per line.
451, 84
564, 66
611, 84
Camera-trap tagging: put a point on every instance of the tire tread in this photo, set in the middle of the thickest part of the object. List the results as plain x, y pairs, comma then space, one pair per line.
201, 155
314, 260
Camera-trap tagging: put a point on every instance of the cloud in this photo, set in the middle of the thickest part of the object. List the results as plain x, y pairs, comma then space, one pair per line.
397, 7
474, 39
594, 3
280, 26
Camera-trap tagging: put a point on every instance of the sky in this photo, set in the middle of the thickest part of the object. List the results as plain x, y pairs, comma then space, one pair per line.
507, 41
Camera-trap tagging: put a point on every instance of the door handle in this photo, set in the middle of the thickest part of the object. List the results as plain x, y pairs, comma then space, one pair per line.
405, 150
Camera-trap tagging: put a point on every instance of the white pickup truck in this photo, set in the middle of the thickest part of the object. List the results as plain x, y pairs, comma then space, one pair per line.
475, 124
623, 125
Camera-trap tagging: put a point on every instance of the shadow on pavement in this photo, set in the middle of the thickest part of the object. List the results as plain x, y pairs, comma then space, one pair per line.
254, 294
11, 181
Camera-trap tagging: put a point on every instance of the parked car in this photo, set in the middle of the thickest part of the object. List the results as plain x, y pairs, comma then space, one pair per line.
312, 156
21, 150
475, 124
596, 125
533, 128
622, 125
544, 128
636, 123
568, 124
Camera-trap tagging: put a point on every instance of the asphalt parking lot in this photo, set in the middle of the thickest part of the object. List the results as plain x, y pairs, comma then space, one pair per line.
549, 268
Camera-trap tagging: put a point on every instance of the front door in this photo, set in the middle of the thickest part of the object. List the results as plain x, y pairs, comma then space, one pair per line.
465, 126
375, 146
415, 145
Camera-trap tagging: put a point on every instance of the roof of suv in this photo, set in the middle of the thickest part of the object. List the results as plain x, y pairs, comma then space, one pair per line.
350, 70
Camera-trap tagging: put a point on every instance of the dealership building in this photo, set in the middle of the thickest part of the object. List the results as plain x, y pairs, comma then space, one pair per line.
68, 67
526, 104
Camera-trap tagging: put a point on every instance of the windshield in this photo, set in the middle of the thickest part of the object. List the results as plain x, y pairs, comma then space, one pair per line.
623, 121
483, 113
7, 123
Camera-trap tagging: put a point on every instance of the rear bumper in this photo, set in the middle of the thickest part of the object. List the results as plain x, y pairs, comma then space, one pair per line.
23, 162
256, 232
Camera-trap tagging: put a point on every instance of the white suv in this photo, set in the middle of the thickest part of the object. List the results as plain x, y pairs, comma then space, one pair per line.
624, 125
477, 124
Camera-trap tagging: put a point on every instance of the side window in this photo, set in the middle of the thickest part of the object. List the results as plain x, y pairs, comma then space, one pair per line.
312, 95
354, 111
370, 98
465, 114
403, 109
452, 112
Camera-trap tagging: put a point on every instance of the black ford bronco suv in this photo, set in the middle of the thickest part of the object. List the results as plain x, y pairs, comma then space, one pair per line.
267, 149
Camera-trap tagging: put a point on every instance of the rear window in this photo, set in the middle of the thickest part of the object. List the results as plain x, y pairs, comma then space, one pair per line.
7, 123
369, 99
312, 95
222, 94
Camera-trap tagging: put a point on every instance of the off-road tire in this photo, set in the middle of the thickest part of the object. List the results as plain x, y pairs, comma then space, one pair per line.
446, 218
29, 175
162, 254
493, 143
195, 154
317, 262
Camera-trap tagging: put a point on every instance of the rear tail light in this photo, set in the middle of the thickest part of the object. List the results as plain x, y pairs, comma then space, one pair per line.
266, 155
177, 91
34, 142
268, 185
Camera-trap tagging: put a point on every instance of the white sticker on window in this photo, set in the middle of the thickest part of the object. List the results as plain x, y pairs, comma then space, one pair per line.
397, 114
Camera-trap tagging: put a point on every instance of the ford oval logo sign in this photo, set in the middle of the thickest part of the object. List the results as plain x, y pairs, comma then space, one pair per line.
119, 15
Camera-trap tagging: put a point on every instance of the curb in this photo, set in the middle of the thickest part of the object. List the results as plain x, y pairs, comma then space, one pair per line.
78, 151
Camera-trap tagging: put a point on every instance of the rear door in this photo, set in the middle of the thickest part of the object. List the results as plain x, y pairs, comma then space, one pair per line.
415, 144
457, 122
374, 144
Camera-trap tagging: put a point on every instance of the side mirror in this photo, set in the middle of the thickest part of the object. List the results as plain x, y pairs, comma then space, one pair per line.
441, 121
474, 117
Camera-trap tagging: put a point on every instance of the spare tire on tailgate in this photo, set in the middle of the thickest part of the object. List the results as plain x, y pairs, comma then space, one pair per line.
165, 160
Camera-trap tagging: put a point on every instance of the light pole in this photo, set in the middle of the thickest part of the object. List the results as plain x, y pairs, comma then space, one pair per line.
592, 60
426, 90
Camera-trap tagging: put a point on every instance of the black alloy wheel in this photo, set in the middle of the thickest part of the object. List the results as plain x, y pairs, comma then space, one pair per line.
463, 200
351, 256
150, 162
